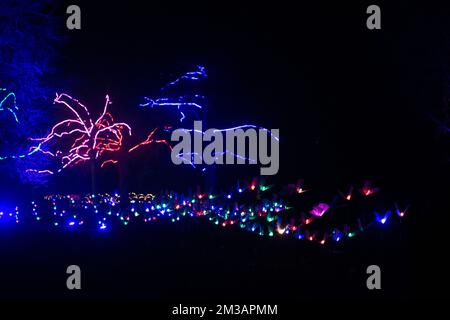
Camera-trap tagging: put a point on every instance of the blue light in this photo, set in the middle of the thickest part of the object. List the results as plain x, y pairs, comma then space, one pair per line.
382, 218
182, 101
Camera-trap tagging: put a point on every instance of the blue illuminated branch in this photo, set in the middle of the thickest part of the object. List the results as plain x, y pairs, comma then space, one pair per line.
182, 101
178, 103
245, 126
198, 75
189, 157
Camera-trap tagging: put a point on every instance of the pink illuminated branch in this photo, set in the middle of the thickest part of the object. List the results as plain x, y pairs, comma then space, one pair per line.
107, 162
150, 140
79, 138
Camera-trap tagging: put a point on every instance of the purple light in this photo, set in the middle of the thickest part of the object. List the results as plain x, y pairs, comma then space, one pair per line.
320, 209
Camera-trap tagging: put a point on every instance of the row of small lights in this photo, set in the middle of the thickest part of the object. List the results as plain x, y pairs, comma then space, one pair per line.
243, 217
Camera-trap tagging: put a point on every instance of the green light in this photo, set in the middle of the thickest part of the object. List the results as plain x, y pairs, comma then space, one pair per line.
265, 188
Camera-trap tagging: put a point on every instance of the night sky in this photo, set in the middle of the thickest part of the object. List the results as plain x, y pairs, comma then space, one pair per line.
351, 104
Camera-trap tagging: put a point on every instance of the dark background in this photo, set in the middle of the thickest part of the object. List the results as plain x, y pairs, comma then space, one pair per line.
351, 104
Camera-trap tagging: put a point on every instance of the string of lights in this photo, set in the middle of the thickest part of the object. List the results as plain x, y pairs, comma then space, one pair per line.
254, 207
9, 103
12, 106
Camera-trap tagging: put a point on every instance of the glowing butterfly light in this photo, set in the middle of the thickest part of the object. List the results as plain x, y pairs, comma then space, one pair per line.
79, 138
320, 209
382, 218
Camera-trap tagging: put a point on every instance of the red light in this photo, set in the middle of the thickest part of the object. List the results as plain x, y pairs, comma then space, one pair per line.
322, 242
349, 197
253, 187
307, 221
224, 224
311, 238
